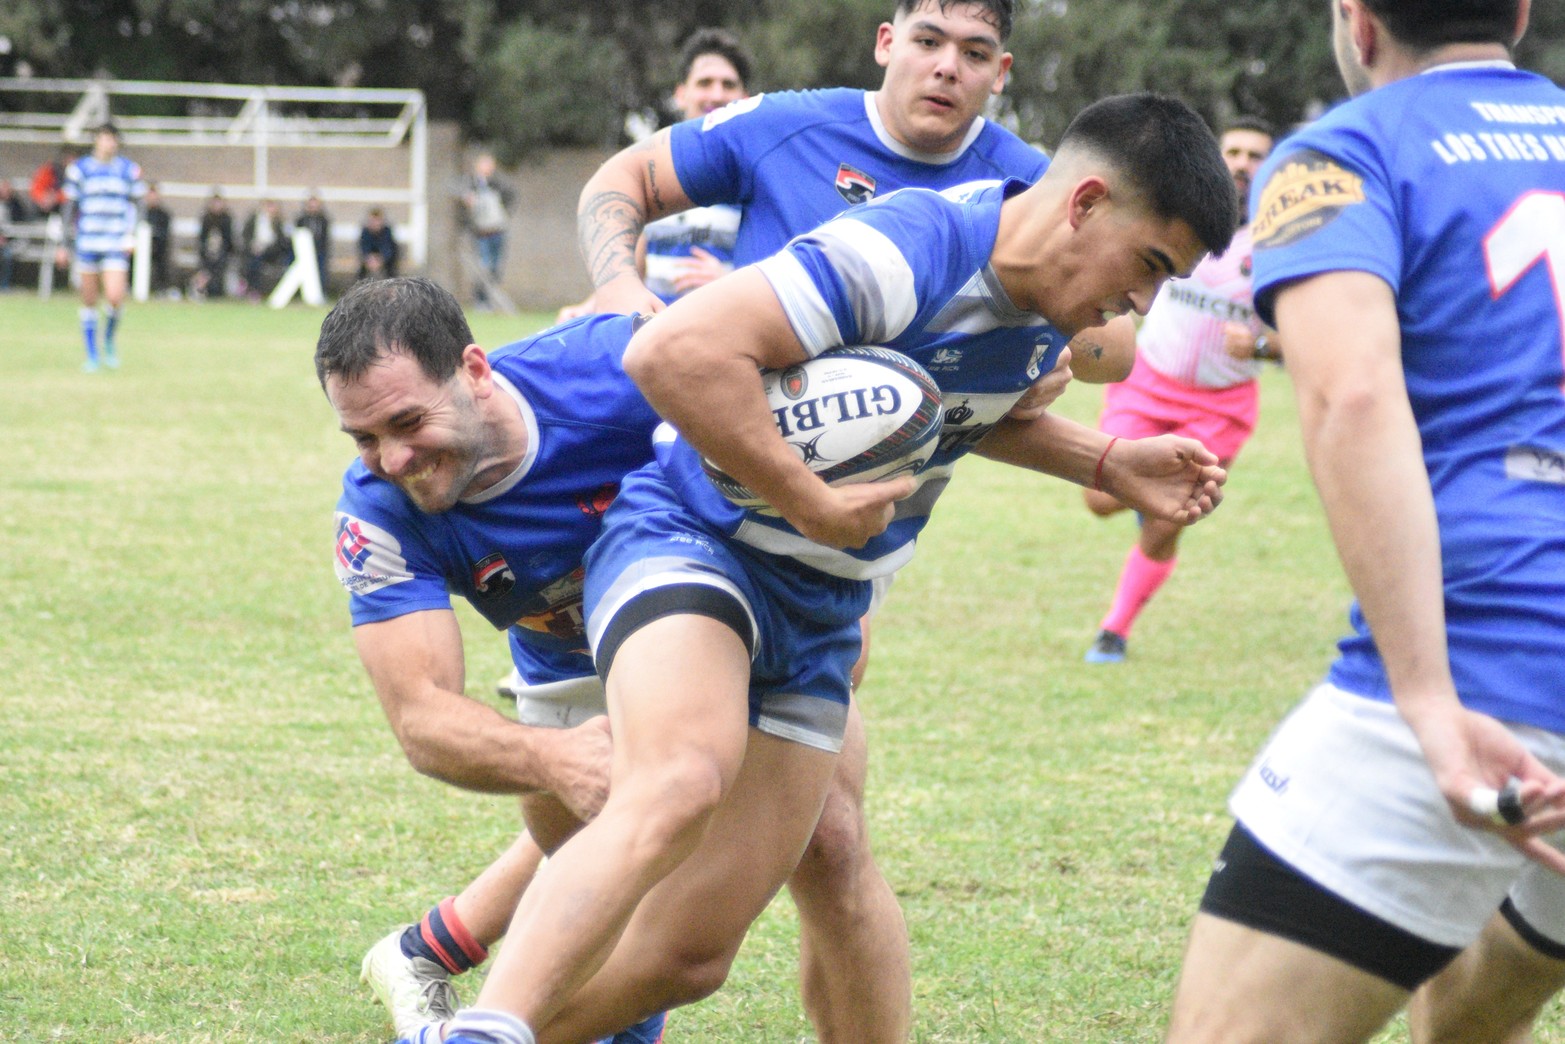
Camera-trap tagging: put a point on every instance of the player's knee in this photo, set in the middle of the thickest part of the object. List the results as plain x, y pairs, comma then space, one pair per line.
670, 804
838, 848
690, 973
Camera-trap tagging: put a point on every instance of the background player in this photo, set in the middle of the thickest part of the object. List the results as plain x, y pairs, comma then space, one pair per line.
1196, 363
693, 247
923, 127
1403, 244
102, 193
706, 619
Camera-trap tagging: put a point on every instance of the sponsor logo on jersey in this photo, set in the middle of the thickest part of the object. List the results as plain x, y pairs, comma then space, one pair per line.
946, 357
367, 557
729, 111
597, 502
1303, 195
492, 577
854, 185
959, 414
557, 610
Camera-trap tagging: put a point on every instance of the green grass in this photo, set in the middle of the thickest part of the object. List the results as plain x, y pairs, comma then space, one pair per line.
204, 820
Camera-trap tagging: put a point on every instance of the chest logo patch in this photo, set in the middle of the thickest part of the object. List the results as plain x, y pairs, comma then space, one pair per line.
854, 185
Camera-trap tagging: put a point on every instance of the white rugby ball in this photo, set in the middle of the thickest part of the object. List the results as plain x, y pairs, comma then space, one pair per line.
854, 414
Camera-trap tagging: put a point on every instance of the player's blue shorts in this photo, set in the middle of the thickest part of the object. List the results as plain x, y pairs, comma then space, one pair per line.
90, 261
654, 559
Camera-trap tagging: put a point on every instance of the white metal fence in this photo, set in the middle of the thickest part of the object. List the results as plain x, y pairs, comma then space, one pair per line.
270, 123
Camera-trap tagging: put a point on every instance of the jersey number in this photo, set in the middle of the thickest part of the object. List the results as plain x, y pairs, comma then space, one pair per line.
1532, 231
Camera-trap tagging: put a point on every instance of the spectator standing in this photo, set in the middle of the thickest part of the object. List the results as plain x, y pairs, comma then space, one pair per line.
13, 210
48, 183
268, 251
315, 220
103, 192
161, 224
214, 246
487, 200
378, 248
45, 191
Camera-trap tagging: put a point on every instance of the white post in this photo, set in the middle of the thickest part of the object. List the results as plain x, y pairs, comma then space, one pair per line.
303, 276
141, 263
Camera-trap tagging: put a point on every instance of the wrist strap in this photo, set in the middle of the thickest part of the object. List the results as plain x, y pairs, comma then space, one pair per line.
1097, 473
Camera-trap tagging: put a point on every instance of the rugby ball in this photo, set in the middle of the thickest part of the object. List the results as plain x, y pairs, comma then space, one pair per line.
854, 414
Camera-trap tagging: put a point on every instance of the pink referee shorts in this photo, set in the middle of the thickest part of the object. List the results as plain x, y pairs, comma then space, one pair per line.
1147, 403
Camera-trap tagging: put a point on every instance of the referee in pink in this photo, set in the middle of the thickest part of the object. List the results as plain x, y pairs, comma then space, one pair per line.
1197, 356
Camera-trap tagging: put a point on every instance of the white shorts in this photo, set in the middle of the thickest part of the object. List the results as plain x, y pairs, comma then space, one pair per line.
1342, 793
562, 704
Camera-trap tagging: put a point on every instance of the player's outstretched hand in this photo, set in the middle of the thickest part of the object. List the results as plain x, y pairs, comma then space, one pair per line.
1473, 756
698, 270
626, 294
850, 516
579, 764
1167, 477
1041, 395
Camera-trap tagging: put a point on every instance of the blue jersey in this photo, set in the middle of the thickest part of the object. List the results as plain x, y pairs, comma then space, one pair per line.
669, 242
795, 159
911, 272
1450, 186
105, 195
515, 550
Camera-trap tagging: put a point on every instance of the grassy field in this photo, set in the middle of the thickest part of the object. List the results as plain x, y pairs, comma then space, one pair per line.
204, 820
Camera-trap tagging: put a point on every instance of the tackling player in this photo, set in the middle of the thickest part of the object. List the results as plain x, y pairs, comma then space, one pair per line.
726, 639
794, 160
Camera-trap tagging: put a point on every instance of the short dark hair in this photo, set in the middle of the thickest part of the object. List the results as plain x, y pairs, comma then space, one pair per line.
414, 316
1426, 24
1170, 157
720, 42
106, 127
1249, 123
999, 11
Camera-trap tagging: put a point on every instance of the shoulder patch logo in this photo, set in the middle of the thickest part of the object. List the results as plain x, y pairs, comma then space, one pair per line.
367, 557
729, 111
854, 185
1304, 194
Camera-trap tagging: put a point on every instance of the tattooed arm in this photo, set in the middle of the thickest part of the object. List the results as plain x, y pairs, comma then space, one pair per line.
635, 186
1104, 354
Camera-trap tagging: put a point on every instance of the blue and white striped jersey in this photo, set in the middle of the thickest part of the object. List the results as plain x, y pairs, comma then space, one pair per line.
106, 197
910, 271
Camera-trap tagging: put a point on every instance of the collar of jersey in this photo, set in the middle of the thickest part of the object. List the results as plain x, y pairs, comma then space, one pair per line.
1493, 63
938, 159
508, 483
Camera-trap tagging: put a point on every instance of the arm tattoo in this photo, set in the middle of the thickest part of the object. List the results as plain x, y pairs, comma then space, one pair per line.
1093, 348
658, 206
607, 226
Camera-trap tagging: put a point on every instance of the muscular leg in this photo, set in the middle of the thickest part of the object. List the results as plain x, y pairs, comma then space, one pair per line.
1490, 994
1242, 986
854, 967
677, 700
682, 939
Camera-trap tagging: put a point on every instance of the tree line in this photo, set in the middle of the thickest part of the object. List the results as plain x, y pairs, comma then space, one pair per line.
523, 75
